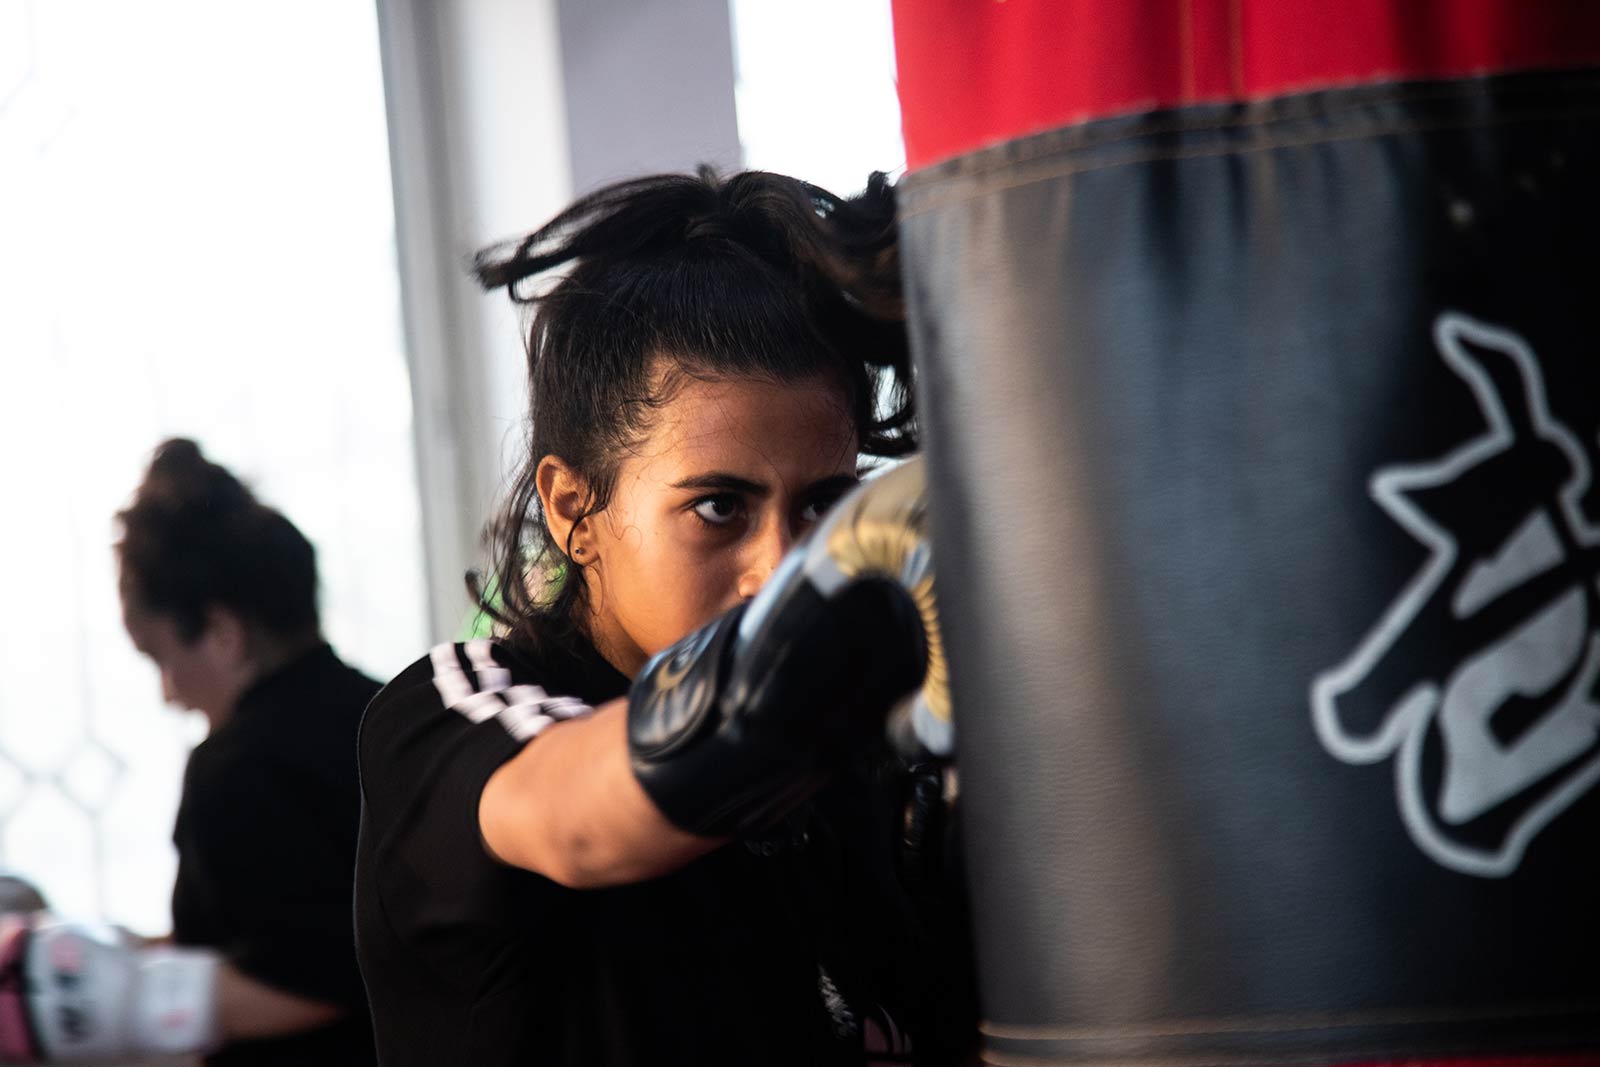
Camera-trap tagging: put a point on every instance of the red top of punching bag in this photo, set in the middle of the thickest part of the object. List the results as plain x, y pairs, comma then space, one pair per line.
978, 72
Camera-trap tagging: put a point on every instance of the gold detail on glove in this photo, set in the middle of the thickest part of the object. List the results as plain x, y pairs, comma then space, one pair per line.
883, 530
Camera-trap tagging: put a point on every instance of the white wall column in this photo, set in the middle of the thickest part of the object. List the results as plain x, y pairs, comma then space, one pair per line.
649, 87
478, 145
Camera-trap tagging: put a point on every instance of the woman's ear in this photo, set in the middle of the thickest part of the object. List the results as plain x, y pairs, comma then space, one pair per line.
226, 635
564, 494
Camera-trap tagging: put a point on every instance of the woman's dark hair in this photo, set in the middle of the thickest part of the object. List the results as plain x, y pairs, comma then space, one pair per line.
757, 275
195, 537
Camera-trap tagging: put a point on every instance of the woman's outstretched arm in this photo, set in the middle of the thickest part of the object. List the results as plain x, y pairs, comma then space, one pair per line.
569, 807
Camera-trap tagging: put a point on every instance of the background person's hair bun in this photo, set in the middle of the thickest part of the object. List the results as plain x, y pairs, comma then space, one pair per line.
195, 537
180, 479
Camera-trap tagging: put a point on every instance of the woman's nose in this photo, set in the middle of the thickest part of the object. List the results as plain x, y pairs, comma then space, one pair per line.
766, 552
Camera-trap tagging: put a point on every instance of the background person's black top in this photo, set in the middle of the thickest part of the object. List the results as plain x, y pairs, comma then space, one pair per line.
758, 953
266, 837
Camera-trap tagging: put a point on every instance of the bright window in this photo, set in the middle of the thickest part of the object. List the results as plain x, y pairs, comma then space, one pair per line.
198, 239
815, 89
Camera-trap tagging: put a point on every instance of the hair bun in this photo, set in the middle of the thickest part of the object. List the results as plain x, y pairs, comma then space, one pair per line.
181, 479
194, 537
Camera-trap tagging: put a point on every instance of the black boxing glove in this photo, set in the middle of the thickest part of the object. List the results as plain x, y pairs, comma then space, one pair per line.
739, 722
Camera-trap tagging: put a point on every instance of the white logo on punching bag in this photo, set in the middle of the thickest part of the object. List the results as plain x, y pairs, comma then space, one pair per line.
1482, 678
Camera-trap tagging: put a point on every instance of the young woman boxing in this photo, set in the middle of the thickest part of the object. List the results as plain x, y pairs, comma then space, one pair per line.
558, 865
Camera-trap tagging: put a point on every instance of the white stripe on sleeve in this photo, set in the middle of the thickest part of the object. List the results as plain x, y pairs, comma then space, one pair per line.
487, 693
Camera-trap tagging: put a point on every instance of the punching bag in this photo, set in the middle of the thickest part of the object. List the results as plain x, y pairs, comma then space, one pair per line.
1262, 410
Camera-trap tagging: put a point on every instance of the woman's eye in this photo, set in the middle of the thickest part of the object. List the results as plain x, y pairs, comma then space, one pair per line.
814, 511
718, 510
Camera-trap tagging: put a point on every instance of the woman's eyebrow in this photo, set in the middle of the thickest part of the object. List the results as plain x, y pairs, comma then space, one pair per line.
838, 483
722, 482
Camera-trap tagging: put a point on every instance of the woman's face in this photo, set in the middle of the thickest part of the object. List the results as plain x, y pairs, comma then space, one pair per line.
206, 674
733, 472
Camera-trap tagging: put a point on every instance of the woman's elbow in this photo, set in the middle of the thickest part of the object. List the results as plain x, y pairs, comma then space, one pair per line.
576, 863
567, 857
582, 860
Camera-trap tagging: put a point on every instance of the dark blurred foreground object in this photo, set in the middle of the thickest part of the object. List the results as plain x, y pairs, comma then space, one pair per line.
1263, 417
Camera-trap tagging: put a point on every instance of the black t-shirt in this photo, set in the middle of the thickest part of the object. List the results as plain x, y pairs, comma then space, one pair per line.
266, 837
763, 952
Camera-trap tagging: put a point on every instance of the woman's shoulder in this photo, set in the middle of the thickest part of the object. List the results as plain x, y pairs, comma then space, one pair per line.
487, 664
443, 724
473, 682
449, 677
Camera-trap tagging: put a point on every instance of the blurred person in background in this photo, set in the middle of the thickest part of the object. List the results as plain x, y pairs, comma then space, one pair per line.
558, 865
220, 592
